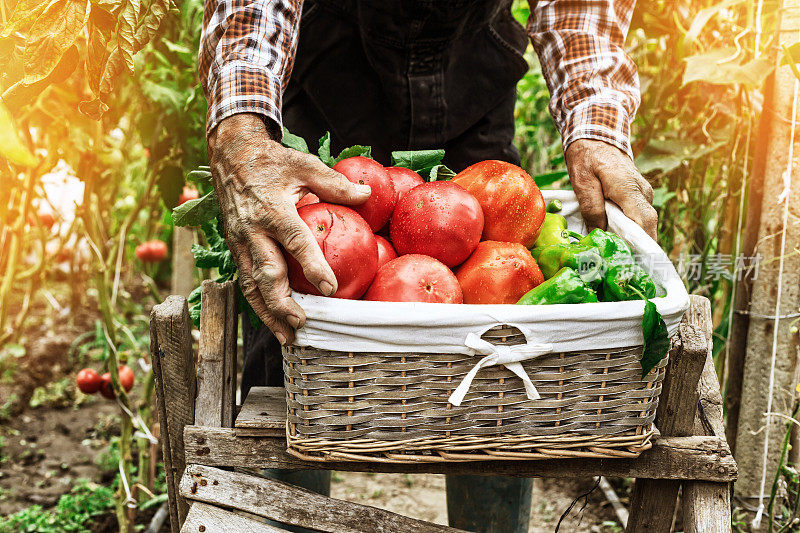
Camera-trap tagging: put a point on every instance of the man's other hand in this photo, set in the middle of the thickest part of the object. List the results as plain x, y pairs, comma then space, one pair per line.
258, 181
598, 171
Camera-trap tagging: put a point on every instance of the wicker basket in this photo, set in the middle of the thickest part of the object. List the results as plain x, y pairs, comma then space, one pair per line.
393, 407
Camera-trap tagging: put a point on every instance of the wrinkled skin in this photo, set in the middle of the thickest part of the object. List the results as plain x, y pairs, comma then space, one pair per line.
600, 171
258, 182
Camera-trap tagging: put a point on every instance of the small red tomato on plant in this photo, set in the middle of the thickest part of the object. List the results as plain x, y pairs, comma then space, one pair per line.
46, 218
439, 219
188, 193
385, 251
404, 179
308, 199
106, 390
151, 251
348, 245
88, 381
126, 377
498, 273
378, 207
512, 204
415, 278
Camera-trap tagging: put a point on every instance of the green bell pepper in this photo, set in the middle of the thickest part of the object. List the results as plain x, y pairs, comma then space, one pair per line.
553, 231
566, 287
584, 260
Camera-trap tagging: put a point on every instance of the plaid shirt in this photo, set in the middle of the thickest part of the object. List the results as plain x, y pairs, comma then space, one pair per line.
247, 51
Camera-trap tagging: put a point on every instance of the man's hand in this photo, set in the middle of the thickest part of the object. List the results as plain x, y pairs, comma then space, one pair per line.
598, 171
258, 181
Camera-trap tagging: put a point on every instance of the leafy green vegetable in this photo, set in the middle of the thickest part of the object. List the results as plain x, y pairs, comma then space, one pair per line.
549, 178
354, 151
295, 142
196, 212
420, 161
324, 151
656, 338
441, 173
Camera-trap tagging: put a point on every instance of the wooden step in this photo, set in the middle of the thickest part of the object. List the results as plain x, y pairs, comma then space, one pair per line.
263, 413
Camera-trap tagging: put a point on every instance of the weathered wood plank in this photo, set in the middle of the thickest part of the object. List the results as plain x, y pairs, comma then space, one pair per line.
263, 412
653, 501
292, 505
209, 519
216, 360
705, 458
706, 507
172, 355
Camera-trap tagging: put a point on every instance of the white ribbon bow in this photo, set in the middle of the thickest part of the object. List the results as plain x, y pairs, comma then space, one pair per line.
510, 356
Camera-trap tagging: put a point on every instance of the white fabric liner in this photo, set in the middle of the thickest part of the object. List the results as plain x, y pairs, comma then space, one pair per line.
361, 326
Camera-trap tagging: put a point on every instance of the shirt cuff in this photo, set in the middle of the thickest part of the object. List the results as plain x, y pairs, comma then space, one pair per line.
242, 87
602, 121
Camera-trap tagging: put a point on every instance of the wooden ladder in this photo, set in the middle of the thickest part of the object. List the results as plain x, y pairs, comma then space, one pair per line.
210, 443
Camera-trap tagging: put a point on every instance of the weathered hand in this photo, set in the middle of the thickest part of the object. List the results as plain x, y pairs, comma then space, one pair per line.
258, 182
599, 170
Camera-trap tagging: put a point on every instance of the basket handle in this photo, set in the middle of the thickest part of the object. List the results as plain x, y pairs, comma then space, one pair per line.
510, 356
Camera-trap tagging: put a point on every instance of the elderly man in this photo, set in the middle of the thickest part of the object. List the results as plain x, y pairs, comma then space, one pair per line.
399, 75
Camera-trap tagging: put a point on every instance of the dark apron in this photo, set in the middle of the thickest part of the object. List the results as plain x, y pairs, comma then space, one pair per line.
400, 75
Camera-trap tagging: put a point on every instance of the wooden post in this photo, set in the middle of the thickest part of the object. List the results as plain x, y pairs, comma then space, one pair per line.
182, 261
755, 427
174, 370
653, 500
216, 360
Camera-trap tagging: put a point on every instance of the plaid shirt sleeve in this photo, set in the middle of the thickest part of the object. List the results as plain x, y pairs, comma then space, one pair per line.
594, 86
246, 55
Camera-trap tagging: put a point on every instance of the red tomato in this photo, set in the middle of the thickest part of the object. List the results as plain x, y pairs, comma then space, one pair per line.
404, 179
378, 207
88, 381
46, 219
189, 193
151, 251
126, 377
415, 278
308, 199
439, 219
498, 273
349, 247
385, 251
512, 204
106, 390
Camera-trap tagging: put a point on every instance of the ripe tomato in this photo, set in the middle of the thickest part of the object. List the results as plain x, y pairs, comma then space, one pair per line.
349, 247
498, 273
46, 218
151, 251
126, 377
88, 381
404, 179
378, 207
106, 390
439, 219
189, 193
415, 278
512, 204
385, 251
308, 199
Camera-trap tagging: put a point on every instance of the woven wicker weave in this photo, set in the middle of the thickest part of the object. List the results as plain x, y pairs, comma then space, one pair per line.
393, 407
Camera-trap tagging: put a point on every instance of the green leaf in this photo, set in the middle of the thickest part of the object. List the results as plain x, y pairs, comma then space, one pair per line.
354, 151
545, 180
440, 173
148, 26
199, 176
661, 196
22, 93
25, 14
194, 305
11, 146
294, 142
53, 33
421, 161
196, 212
703, 16
324, 151
791, 54
656, 338
221, 260
166, 97
170, 184
723, 67
244, 307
